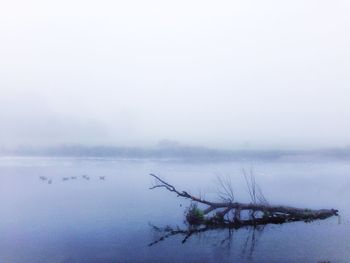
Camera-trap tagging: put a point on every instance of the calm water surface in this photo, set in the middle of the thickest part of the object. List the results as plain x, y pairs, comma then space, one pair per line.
108, 219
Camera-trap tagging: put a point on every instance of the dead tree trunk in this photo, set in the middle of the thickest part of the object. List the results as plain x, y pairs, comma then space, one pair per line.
230, 213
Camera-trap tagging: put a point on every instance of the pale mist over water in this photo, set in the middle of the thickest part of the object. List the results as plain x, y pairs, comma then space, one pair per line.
96, 95
68, 218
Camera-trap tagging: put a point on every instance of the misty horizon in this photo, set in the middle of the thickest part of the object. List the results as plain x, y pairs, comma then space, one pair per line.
173, 150
174, 131
222, 75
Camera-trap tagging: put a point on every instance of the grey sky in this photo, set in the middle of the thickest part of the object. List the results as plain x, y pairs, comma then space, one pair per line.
215, 73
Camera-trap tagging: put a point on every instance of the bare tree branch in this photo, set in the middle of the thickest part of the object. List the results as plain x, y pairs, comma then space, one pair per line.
268, 213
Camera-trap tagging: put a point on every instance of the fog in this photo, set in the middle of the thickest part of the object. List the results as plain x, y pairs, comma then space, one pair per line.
220, 74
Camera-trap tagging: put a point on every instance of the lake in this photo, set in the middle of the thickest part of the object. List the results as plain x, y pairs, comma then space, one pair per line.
101, 210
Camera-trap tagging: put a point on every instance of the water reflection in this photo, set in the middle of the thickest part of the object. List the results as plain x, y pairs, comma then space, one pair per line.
223, 237
106, 219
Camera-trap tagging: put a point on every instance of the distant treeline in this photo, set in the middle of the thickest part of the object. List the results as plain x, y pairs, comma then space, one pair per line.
176, 152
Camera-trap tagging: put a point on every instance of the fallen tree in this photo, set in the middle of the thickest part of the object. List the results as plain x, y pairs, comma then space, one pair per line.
229, 213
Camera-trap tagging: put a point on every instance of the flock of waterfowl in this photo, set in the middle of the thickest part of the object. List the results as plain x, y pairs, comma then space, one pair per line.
84, 176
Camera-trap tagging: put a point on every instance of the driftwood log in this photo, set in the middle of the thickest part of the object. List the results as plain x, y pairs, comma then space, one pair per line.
235, 214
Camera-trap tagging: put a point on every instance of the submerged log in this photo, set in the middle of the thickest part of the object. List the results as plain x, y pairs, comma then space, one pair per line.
230, 214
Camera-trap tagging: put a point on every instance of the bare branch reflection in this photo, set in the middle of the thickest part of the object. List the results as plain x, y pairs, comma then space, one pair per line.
224, 236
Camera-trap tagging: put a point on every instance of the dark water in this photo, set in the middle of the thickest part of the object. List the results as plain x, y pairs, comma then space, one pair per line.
108, 219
